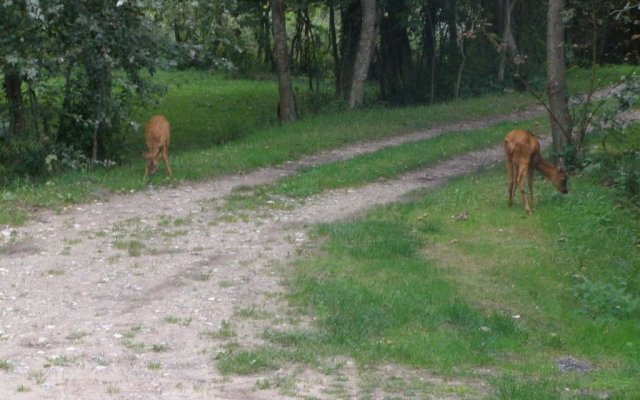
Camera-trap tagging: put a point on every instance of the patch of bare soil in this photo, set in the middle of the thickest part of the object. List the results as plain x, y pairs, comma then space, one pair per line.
133, 298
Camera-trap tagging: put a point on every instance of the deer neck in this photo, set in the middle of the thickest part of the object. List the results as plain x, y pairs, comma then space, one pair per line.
546, 168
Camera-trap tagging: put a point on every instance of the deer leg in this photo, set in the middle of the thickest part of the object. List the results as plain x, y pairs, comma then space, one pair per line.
531, 177
165, 157
149, 168
522, 171
510, 175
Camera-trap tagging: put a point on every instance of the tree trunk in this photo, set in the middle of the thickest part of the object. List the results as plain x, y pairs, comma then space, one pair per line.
508, 44
304, 47
463, 61
38, 116
333, 40
264, 34
561, 122
398, 76
286, 105
364, 53
451, 53
351, 21
13, 92
427, 67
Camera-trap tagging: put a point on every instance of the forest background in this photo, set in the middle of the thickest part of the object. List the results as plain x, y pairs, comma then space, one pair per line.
77, 73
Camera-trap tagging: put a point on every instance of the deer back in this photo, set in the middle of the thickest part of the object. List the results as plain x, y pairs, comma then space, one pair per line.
522, 147
156, 133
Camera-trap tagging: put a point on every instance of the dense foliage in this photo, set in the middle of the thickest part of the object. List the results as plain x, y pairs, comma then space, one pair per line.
72, 75
74, 71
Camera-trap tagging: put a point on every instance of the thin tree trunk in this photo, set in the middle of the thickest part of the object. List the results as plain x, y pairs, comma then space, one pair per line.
286, 105
584, 118
351, 21
333, 40
13, 92
428, 57
38, 115
463, 61
364, 53
561, 122
264, 41
398, 74
94, 142
508, 44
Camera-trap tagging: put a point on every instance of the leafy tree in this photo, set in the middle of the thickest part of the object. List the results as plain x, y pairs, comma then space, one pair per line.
105, 46
22, 27
96, 49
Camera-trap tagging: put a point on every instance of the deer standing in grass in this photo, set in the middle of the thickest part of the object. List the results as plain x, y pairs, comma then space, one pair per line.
522, 151
156, 136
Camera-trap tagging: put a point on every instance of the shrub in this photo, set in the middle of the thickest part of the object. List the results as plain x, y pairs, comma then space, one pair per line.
605, 299
21, 157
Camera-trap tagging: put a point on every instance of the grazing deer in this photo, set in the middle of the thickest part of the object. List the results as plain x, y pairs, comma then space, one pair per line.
156, 136
522, 151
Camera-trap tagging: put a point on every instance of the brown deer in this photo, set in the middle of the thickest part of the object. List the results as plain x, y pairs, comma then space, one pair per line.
156, 136
522, 151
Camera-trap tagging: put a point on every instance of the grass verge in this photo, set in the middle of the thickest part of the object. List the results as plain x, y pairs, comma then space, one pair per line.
222, 126
260, 147
497, 291
385, 163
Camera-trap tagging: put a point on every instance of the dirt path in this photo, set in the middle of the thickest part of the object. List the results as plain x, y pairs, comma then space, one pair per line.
133, 298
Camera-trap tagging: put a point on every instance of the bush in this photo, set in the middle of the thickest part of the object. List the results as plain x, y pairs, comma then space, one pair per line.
617, 162
24, 157
608, 300
21, 157
69, 158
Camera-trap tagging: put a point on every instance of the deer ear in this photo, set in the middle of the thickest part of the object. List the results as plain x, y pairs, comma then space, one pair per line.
560, 164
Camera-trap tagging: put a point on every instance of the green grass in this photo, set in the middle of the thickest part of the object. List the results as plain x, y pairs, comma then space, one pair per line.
133, 247
207, 110
226, 331
154, 365
5, 365
385, 163
410, 284
222, 126
245, 362
579, 78
234, 135
390, 162
298, 347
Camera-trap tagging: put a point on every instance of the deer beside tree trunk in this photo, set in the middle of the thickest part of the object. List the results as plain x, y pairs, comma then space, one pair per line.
522, 152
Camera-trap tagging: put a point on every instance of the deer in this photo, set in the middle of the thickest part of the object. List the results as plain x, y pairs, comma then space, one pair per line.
522, 152
156, 136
